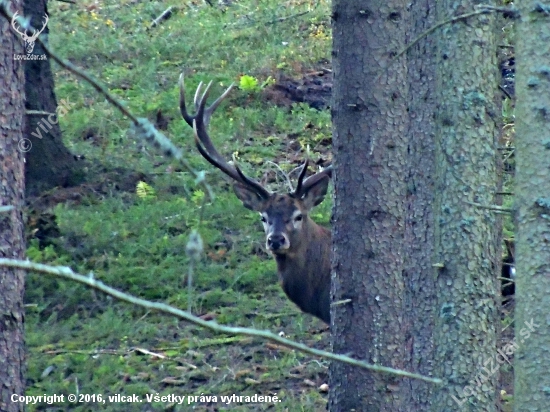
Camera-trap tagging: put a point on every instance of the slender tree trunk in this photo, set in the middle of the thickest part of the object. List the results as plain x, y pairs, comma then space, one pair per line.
467, 250
49, 162
532, 189
419, 223
12, 244
370, 144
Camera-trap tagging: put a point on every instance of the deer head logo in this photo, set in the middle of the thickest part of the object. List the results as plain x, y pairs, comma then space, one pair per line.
29, 40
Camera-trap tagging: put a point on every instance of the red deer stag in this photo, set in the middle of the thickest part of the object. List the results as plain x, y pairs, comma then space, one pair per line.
300, 247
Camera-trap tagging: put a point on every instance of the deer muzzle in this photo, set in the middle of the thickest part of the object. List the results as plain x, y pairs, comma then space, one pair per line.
277, 243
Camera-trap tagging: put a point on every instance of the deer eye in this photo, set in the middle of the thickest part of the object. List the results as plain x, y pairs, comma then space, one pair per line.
298, 218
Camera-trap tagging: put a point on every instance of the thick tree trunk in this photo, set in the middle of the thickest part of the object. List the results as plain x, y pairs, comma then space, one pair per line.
467, 251
49, 162
419, 223
12, 244
370, 144
532, 189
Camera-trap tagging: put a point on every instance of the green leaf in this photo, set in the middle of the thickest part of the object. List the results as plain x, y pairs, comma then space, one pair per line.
248, 83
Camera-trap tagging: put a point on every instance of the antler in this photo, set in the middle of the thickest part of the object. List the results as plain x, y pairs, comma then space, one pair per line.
189, 119
303, 186
200, 122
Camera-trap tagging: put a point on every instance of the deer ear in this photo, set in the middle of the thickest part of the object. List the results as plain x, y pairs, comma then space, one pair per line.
315, 194
251, 200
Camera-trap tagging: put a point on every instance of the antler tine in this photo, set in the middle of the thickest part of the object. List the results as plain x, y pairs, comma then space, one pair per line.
210, 110
302, 187
258, 188
214, 158
328, 171
209, 152
203, 113
183, 108
301, 176
196, 101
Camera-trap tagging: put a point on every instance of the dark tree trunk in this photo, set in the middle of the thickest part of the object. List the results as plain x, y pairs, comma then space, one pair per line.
12, 243
467, 254
419, 223
370, 148
49, 162
532, 189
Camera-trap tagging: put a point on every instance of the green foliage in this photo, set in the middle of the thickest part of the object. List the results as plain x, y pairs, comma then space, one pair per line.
197, 197
250, 84
145, 191
134, 239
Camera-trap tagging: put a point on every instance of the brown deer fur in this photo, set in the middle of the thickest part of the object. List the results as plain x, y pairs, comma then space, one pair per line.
305, 276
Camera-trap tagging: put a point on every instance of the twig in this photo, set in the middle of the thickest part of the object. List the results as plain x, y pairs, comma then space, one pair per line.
87, 352
340, 302
506, 92
6, 209
281, 19
67, 273
252, 22
38, 113
287, 178
483, 9
491, 207
507, 280
165, 15
276, 315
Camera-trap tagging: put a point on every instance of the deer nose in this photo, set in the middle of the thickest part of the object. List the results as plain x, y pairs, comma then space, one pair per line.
275, 241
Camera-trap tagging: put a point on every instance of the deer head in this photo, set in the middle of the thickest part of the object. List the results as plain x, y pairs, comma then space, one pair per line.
300, 246
283, 216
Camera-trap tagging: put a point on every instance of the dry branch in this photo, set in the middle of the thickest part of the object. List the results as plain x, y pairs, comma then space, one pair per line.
67, 273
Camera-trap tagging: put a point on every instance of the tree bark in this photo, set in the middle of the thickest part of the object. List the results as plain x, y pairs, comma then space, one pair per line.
419, 224
49, 162
12, 243
370, 143
467, 254
532, 189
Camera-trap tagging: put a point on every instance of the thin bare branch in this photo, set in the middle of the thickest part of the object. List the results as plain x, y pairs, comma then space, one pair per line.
67, 273
285, 175
6, 209
165, 15
495, 208
482, 9
281, 19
